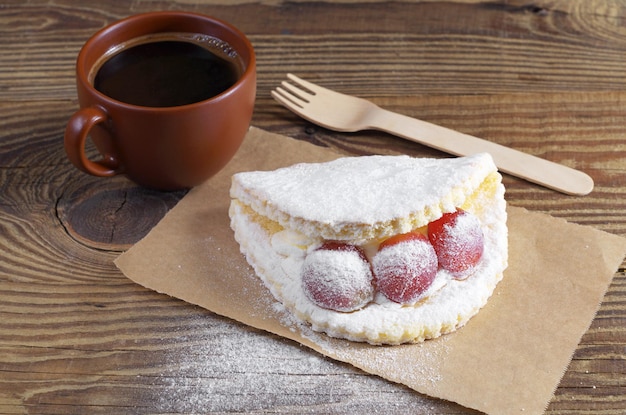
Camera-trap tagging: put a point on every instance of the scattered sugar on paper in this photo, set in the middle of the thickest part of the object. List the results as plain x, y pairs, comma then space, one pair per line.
386, 361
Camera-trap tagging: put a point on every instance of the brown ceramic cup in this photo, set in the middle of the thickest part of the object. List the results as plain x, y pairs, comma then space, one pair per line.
170, 147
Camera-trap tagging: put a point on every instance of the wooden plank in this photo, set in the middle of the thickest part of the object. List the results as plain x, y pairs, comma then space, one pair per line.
508, 48
76, 336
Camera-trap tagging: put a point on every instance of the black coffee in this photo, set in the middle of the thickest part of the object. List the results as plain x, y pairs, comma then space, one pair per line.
166, 73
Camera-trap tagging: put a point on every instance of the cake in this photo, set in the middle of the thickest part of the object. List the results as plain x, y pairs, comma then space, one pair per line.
377, 249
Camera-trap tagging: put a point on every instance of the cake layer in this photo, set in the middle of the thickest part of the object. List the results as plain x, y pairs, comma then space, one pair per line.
362, 198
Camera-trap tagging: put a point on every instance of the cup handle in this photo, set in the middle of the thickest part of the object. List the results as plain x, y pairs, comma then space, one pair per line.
76, 133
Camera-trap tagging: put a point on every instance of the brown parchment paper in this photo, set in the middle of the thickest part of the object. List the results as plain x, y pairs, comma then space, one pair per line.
508, 359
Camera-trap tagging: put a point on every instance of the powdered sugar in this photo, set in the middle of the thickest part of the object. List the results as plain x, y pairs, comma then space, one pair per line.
278, 259
393, 194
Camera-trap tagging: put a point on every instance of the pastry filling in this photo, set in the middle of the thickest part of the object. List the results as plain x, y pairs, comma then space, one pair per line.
343, 277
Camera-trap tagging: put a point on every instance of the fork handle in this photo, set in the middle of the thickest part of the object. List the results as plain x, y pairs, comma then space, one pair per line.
534, 169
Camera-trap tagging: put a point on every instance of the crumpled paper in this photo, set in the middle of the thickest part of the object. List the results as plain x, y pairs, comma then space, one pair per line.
509, 358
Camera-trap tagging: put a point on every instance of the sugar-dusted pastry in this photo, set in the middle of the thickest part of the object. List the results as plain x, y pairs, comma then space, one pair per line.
381, 249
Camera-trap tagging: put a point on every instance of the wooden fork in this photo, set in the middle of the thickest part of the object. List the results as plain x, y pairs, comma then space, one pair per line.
346, 113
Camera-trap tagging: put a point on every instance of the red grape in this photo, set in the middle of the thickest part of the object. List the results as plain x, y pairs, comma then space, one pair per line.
338, 276
404, 267
458, 241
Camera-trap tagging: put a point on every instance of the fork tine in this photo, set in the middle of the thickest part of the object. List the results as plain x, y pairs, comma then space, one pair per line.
288, 100
298, 92
308, 85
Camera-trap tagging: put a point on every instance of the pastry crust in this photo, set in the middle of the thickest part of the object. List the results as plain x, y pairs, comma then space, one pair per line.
280, 216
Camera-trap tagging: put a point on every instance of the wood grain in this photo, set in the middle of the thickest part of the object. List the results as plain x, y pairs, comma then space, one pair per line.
76, 336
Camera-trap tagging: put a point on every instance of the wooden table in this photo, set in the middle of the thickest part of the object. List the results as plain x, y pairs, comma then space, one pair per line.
546, 77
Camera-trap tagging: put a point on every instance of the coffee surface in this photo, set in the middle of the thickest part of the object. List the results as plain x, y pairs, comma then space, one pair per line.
166, 73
